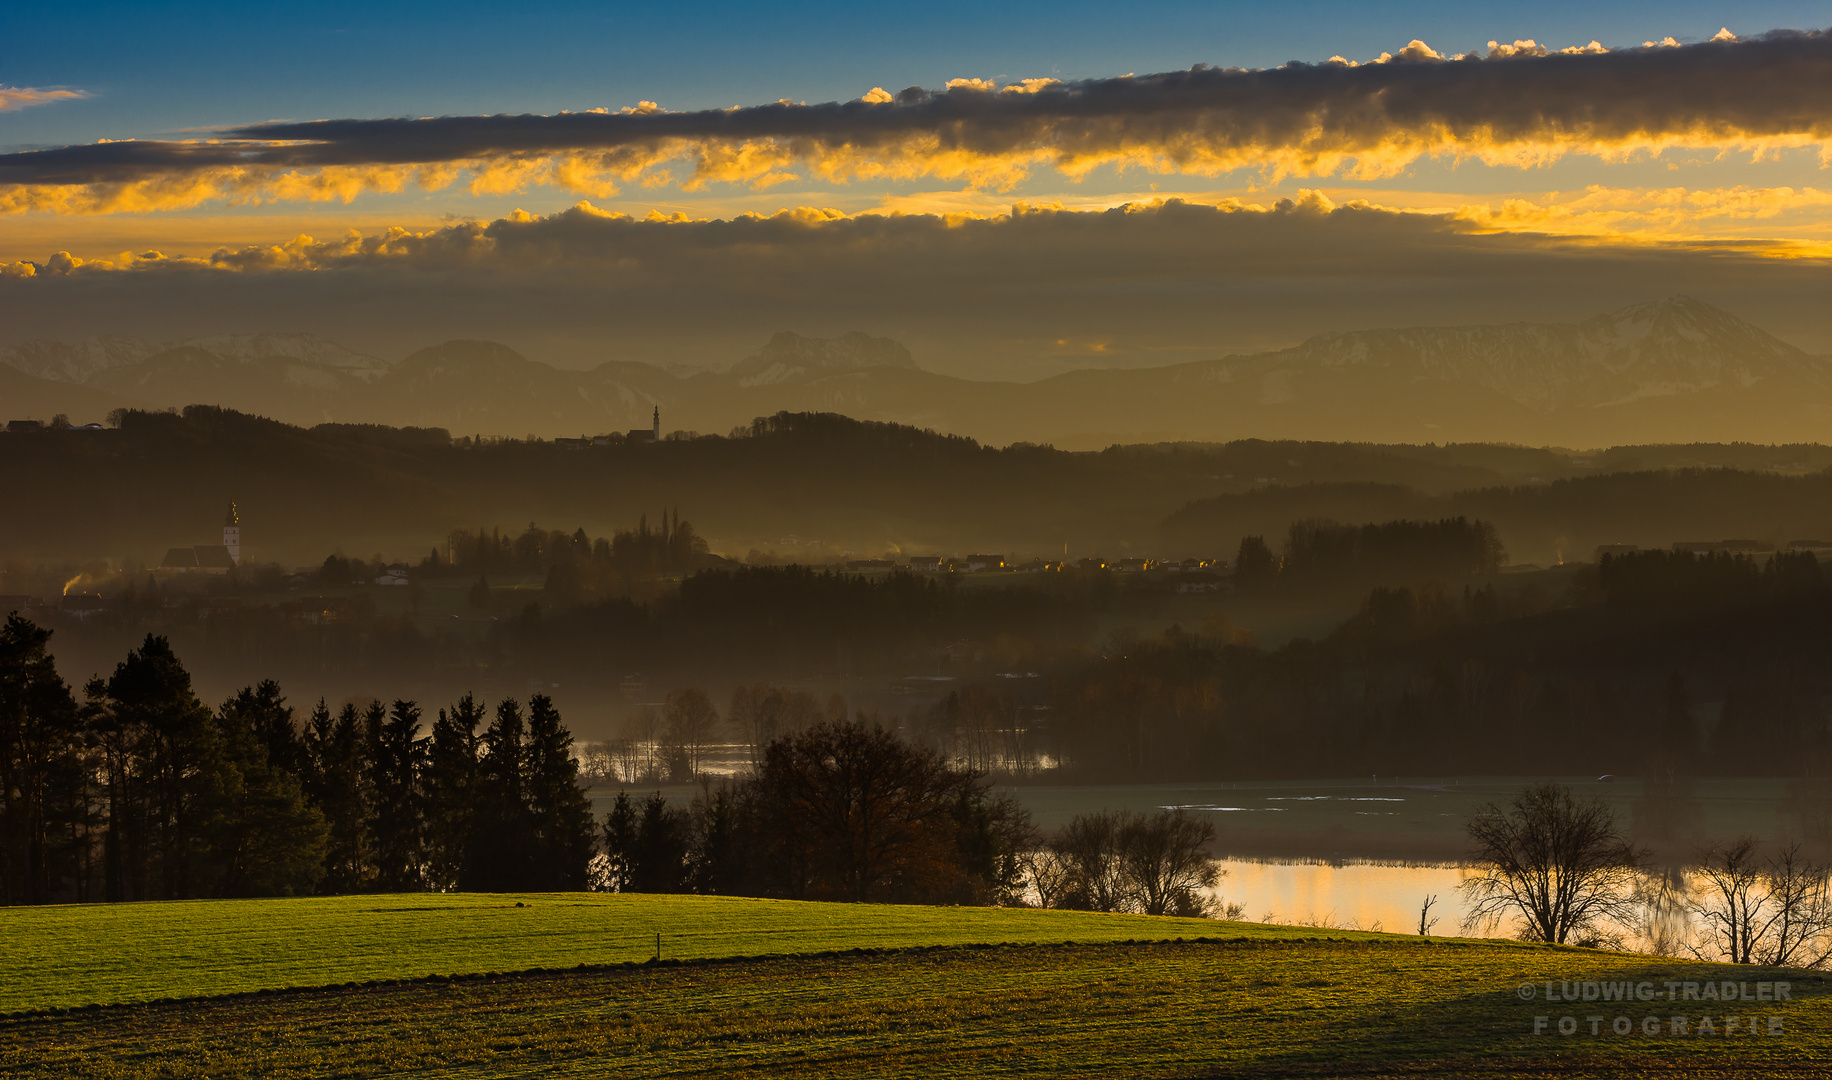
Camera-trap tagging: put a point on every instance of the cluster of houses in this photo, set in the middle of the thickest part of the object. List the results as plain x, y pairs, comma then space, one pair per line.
1732, 547
31, 427
993, 564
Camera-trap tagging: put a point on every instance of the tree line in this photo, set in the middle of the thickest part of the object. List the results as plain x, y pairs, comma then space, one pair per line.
1318, 553
140, 791
1704, 677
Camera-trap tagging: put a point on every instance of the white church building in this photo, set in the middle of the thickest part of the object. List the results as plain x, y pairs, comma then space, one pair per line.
210, 558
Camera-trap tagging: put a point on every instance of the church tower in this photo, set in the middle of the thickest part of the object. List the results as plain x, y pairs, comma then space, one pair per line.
658, 423
232, 535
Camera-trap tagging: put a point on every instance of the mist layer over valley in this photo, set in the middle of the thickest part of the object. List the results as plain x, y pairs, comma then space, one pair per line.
1678, 370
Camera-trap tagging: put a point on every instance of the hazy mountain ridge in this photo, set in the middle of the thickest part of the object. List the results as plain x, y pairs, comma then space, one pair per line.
1675, 346
790, 356
1677, 370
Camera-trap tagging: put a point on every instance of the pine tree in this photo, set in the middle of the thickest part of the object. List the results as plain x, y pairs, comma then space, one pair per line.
42, 797
451, 792
620, 836
166, 771
267, 838
337, 784
558, 809
500, 854
396, 823
262, 712
662, 846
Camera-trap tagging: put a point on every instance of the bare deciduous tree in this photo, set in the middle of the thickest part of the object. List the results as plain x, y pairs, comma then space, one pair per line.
691, 720
1730, 900
1165, 861
1123, 861
1771, 910
1561, 866
1801, 935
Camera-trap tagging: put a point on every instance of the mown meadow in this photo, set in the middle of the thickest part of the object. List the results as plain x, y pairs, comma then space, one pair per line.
68, 956
1272, 1005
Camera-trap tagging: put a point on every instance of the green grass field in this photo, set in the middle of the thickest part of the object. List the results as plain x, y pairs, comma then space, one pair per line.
105, 953
1275, 1005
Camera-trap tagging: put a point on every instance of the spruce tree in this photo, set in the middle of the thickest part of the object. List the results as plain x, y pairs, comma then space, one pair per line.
42, 767
396, 822
620, 836
169, 768
500, 854
267, 838
336, 781
451, 792
558, 809
262, 711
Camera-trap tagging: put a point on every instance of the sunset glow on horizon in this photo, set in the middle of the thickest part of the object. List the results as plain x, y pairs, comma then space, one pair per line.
1667, 139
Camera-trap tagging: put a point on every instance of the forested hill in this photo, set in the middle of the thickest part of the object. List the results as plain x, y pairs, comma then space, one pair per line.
1562, 521
808, 486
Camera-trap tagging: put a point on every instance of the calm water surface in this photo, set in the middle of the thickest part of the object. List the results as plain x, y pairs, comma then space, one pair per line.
1356, 895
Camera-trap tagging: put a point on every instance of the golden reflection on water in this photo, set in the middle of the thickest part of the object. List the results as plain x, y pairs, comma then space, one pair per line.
1355, 896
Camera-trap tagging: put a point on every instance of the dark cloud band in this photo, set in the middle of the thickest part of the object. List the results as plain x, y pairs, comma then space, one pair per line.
1778, 86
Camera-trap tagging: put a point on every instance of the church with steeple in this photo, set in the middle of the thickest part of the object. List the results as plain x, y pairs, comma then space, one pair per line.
210, 558
653, 434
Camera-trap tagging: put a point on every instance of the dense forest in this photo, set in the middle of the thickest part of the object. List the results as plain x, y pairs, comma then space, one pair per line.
814, 486
1673, 662
142, 792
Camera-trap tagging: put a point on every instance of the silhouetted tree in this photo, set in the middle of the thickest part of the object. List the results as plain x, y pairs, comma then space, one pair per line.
1255, 566
268, 839
620, 839
43, 797
559, 811
452, 792
500, 856
337, 782
397, 808
1561, 866
690, 720
853, 813
165, 773
262, 712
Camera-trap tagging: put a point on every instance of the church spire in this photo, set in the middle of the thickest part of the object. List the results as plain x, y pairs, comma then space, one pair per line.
232, 535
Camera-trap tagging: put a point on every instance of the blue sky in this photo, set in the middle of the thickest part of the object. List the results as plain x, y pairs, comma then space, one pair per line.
159, 69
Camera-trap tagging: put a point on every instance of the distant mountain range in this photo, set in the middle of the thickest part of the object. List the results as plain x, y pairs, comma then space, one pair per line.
1674, 371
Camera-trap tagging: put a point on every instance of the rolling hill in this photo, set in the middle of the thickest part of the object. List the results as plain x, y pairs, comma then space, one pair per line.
1674, 371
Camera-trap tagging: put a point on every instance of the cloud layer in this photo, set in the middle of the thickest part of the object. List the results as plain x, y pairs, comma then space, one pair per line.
1032, 292
1520, 104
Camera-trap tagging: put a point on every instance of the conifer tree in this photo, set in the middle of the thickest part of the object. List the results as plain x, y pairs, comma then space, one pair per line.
267, 838
451, 792
336, 780
620, 835
500, 855
396, 822
558, 809
42, 794
168, 764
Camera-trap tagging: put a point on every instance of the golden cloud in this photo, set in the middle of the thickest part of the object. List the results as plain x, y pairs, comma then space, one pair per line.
1672, 219
1520, 105
24, 97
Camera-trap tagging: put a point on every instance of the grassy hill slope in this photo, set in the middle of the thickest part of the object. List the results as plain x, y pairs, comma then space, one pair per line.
1267, 1007
106, 953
